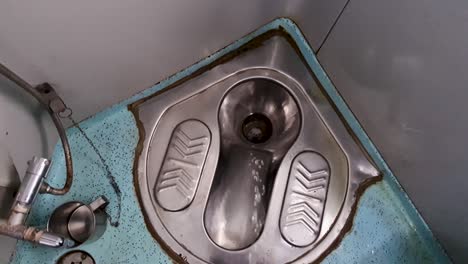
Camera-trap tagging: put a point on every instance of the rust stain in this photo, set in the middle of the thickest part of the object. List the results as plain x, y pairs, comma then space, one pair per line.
349, 223
176, 258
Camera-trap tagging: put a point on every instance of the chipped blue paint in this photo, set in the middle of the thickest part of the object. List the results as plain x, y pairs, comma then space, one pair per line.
387, 228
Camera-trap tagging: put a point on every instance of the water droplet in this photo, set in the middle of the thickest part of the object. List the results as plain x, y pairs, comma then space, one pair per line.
257, 195
254, 217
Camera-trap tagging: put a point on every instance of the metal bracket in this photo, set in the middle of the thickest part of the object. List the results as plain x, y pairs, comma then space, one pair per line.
49, 97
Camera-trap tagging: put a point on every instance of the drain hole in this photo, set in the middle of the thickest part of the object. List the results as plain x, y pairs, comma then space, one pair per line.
257, 128
76, 257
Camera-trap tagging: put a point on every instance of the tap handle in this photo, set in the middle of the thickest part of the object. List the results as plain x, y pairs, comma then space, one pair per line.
100, 202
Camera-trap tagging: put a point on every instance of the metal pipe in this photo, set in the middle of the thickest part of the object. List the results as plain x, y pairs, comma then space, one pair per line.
35, 174
32, 182
34, 235
20, 82
68, 161
14, 231
58, 125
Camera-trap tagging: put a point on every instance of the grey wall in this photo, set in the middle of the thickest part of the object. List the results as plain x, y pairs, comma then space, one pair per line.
25, 130
402, 68
99, 53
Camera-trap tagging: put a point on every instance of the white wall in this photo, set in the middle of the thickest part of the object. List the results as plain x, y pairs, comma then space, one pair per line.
97, 53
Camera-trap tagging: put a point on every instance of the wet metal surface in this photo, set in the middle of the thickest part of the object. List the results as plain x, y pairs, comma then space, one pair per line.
304, 203
248, 165
182, 166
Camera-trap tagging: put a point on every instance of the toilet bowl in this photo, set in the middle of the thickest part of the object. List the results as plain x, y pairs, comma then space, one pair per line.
248, 162
259, 121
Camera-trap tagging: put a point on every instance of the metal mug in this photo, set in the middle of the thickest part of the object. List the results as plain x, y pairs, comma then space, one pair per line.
78, 221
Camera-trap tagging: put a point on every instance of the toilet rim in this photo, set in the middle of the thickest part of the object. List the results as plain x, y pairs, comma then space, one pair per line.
149, 121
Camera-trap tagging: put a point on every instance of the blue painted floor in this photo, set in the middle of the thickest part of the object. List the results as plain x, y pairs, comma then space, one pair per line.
386, 229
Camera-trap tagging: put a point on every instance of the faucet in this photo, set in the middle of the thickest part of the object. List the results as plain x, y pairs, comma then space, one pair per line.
36, 172
15, 227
